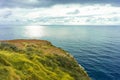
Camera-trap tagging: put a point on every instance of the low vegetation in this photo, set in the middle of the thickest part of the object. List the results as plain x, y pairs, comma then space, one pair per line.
37, 60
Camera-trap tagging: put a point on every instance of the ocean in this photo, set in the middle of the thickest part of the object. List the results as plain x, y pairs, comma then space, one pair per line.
96, 48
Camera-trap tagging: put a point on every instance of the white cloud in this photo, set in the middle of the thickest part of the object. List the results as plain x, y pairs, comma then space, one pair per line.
62, 14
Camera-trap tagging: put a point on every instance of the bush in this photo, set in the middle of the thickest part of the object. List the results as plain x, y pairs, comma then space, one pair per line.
6, 46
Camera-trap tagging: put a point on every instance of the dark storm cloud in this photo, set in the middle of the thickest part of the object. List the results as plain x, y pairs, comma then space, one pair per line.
24, 3
86, 1
48, 3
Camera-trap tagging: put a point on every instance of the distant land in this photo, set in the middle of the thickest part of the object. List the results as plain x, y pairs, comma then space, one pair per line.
37, 60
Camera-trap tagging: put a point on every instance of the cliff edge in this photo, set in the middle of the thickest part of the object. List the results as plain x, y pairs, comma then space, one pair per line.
37, 60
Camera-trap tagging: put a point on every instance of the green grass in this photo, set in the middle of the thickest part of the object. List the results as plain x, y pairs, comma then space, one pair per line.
31, 63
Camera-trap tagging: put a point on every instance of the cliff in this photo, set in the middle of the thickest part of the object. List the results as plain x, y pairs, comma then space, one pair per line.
37, 60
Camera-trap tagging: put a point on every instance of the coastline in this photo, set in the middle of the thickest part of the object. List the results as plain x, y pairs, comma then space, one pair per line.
60, 58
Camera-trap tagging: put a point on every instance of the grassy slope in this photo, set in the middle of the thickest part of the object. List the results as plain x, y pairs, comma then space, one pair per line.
37, 60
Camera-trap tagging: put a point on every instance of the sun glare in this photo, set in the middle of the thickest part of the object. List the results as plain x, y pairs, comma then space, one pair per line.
34, 31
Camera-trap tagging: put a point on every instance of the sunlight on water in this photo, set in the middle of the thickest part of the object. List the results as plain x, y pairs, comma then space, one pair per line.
96, 48
34, 31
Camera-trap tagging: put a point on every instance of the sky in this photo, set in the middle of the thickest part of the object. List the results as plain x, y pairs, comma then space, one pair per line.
60, 12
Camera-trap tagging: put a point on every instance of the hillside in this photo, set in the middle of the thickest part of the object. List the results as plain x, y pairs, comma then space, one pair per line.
37, 60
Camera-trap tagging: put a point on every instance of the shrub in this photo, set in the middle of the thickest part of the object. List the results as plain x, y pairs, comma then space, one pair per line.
6, 46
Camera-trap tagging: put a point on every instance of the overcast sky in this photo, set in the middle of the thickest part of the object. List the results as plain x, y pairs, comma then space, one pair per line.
60, 12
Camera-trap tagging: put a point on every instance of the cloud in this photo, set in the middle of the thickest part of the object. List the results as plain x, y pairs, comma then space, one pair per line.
62, 15
74, 12
24, 3
48, 3
5, 14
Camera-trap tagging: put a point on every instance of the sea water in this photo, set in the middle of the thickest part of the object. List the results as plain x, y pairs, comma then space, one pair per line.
96, 48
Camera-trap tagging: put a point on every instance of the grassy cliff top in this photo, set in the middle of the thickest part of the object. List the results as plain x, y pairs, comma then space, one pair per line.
37, 60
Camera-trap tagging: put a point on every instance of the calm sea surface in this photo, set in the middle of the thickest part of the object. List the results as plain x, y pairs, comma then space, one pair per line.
96, 48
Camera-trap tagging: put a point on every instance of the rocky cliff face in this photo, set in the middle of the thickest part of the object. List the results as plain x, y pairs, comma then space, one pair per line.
37, 60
